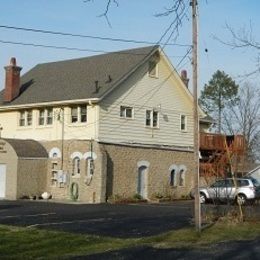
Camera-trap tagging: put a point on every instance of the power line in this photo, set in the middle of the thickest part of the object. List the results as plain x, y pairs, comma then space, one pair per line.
52, 46
77, 49
88, 36
177, 21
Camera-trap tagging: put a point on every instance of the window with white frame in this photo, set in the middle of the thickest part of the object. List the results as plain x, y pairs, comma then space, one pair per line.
153, 69
74, 115
45, 116
79, 114
83, 113
76, 166
183, 123
152, 118
126, 112
54, 173
25, 118
49, 116
41, 117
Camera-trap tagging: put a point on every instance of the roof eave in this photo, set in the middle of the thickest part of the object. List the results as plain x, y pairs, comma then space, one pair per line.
50, 103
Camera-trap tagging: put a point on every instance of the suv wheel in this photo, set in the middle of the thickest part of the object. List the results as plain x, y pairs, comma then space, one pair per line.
202, 198
241, 199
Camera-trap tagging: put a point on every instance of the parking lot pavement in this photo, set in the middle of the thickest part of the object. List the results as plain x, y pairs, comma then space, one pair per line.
249, 249
134, 220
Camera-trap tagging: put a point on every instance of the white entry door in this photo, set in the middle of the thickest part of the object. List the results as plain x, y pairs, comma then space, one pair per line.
142, 182
2, 180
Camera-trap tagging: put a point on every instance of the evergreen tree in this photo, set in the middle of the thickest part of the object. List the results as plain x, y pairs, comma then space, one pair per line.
220, 91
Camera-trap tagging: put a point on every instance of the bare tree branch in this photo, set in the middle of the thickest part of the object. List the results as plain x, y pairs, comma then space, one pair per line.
241, 39
108, 6
177, 9
244, 118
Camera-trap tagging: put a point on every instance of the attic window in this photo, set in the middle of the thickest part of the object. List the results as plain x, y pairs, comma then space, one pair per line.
153, 69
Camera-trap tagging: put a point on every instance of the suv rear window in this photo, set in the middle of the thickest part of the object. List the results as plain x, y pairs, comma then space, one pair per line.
255, 182
242, 183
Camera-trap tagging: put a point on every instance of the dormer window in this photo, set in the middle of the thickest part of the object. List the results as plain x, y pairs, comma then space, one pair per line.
153, 69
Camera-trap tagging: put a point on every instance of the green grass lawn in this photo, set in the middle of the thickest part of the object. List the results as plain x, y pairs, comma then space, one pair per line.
25, 243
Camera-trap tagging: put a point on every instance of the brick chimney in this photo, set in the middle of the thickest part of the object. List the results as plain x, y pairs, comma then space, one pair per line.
12, 81
185, 78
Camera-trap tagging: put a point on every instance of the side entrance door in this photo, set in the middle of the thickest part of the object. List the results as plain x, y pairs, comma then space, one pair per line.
2, 180
142, 182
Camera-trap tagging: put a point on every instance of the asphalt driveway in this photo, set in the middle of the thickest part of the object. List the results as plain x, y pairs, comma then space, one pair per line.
134, 220
249, 249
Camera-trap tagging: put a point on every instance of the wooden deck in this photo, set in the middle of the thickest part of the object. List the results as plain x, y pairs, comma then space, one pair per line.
219, 142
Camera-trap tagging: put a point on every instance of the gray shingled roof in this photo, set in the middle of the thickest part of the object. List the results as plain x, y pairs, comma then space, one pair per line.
75, 79
27, 148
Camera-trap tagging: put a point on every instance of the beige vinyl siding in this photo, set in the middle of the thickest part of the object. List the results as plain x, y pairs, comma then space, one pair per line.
166, 95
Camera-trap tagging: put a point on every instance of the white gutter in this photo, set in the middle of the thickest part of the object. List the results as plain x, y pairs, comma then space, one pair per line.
52, 103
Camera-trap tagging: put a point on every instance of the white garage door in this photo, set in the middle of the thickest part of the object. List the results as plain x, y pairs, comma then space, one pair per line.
2, 180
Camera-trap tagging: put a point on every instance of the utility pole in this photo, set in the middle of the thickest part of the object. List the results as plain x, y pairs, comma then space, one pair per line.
62, 137
197, 209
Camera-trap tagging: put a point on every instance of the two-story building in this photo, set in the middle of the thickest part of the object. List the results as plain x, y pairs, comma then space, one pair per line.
115, 124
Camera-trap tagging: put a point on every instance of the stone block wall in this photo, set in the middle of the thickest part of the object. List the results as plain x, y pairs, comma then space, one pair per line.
31, 177
90, 190
122, 175
116, 171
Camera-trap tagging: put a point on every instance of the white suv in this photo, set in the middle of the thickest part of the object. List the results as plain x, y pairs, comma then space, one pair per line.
248, 189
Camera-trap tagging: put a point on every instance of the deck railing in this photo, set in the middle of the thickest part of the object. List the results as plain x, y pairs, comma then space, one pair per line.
210, 141
219, 142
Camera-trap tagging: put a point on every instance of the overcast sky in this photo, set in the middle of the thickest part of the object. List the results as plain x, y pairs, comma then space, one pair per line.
133, 19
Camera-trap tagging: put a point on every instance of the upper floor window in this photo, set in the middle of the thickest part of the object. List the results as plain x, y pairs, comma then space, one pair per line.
49, 113
152, 118
126, 112
41, 117
153, 69
183, 123
46, 116
25, 118
79, 114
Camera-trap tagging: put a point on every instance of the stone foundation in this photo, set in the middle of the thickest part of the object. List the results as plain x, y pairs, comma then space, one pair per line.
115, 171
